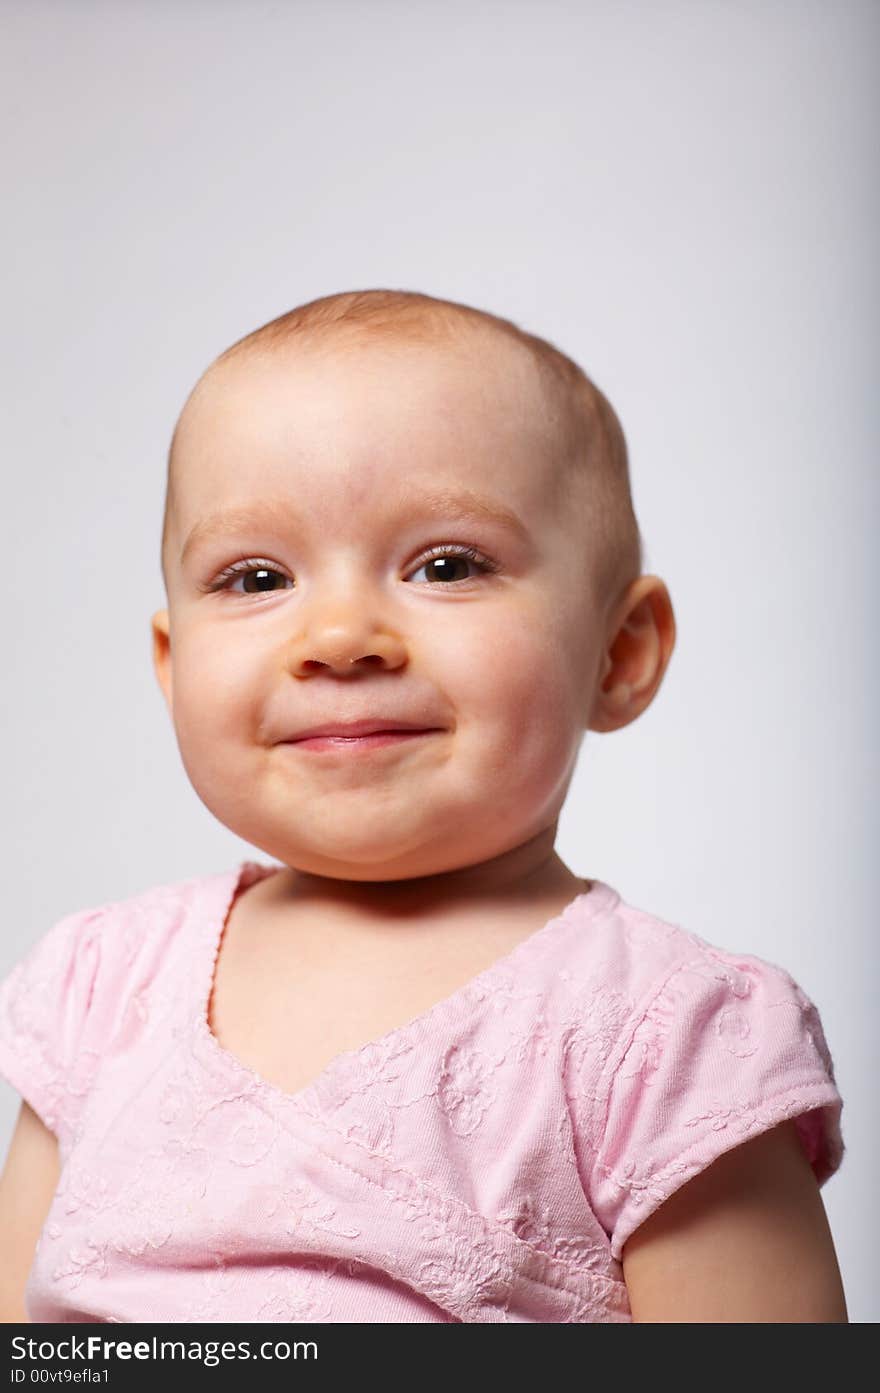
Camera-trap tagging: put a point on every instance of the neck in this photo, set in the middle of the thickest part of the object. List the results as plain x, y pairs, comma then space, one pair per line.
529, 873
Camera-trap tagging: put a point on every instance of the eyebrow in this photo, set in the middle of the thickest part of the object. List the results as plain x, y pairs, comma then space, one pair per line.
267, 513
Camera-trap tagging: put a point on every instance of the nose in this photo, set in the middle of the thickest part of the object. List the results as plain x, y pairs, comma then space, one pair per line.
343, 640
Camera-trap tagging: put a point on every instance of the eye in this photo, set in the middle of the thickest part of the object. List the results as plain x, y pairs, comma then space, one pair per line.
437, 561
262, 572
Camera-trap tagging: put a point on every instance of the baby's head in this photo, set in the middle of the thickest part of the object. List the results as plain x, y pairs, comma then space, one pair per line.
429, 518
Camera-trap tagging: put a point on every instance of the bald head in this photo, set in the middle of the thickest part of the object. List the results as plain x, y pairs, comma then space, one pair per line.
584, 433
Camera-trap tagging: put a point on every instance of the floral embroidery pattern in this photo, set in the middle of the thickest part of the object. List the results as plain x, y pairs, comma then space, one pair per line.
464, 1091
301, 1210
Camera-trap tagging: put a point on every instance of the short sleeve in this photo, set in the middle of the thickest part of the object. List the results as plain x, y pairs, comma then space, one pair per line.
44, 1005
728, 1047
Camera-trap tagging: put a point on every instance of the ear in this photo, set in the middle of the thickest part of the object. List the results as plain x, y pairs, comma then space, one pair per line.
161, 630
641, 640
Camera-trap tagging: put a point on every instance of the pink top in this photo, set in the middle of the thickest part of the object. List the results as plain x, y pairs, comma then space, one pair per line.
485, 1162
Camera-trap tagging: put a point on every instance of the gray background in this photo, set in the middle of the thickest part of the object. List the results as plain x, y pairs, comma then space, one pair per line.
680, 195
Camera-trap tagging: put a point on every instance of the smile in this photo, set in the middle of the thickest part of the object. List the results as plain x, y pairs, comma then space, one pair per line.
359, 744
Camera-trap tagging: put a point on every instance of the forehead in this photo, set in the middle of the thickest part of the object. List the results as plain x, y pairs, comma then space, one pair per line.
353, 421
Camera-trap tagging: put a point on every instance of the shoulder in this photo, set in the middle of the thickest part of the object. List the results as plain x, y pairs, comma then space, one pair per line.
652, 963
619, 965
90, 982
159, 912
85, 960
685, 1050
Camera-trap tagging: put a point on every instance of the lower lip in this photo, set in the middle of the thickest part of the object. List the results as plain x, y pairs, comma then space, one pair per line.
359, 743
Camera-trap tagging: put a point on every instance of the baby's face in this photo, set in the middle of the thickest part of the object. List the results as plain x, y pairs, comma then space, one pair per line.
345, 490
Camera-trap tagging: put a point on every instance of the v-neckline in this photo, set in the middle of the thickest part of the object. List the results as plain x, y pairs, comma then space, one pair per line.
227, 886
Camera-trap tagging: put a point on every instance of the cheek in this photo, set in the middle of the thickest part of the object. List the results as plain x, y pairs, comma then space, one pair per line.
524, 701
524, 669
212, 691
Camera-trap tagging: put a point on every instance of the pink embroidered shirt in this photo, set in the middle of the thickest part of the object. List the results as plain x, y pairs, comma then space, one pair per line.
485, 1162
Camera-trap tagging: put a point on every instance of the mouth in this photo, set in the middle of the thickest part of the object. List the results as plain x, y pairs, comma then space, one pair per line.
357, 744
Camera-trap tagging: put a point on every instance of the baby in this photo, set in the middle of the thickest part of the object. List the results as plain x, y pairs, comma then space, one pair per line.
414, 1069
